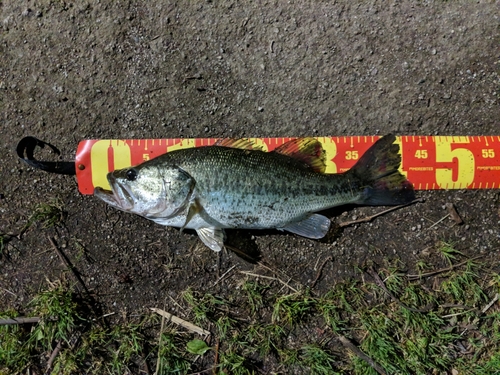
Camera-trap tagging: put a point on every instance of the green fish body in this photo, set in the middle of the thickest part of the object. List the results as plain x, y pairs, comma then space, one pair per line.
212, 188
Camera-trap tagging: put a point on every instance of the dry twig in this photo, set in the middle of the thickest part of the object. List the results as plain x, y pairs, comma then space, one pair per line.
68, 264
320, 269
270, 278
20, 320
224, 275
216, 360
8, 291
381, 284
158, 360
370, 218
433, 225
353, 348
53, 356
432, 273
491, 303
183, 323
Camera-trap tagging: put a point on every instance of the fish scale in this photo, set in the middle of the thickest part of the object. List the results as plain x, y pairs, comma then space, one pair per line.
268, 187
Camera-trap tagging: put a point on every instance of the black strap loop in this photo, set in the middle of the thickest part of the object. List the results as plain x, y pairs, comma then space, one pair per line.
27, 146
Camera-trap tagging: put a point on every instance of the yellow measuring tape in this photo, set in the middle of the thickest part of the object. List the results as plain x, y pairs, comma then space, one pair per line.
429, 162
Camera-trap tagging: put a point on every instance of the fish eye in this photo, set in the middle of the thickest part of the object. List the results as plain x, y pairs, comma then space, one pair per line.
131, 174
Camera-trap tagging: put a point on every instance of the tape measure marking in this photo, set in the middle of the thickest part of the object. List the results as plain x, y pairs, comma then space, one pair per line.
429, 162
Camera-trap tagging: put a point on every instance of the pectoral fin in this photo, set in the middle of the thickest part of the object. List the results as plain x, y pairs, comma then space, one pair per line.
194, 208
212, 237
315, 226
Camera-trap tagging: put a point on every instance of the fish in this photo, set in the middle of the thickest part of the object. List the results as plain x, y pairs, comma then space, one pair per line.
234, 185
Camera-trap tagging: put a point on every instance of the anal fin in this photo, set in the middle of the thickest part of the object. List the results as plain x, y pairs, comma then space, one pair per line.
315, 226
212, 237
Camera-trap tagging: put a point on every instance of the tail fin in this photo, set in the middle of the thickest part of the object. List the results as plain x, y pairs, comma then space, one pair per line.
378, 172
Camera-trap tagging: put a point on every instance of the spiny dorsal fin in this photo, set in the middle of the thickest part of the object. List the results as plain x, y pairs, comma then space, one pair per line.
241, 143
307, 150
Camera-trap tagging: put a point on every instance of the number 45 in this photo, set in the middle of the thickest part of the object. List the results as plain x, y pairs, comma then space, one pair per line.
421, 154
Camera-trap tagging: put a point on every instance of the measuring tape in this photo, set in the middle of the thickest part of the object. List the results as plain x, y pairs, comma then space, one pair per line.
429, 162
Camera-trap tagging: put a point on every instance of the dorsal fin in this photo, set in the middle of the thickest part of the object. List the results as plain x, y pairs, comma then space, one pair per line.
307, 150
242, 143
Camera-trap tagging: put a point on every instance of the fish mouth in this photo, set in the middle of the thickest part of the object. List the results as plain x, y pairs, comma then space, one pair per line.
119, 196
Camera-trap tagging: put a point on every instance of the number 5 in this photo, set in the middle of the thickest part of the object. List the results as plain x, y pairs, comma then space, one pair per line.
464, 163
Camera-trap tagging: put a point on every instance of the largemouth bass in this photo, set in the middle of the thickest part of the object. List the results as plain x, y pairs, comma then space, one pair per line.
231, 185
